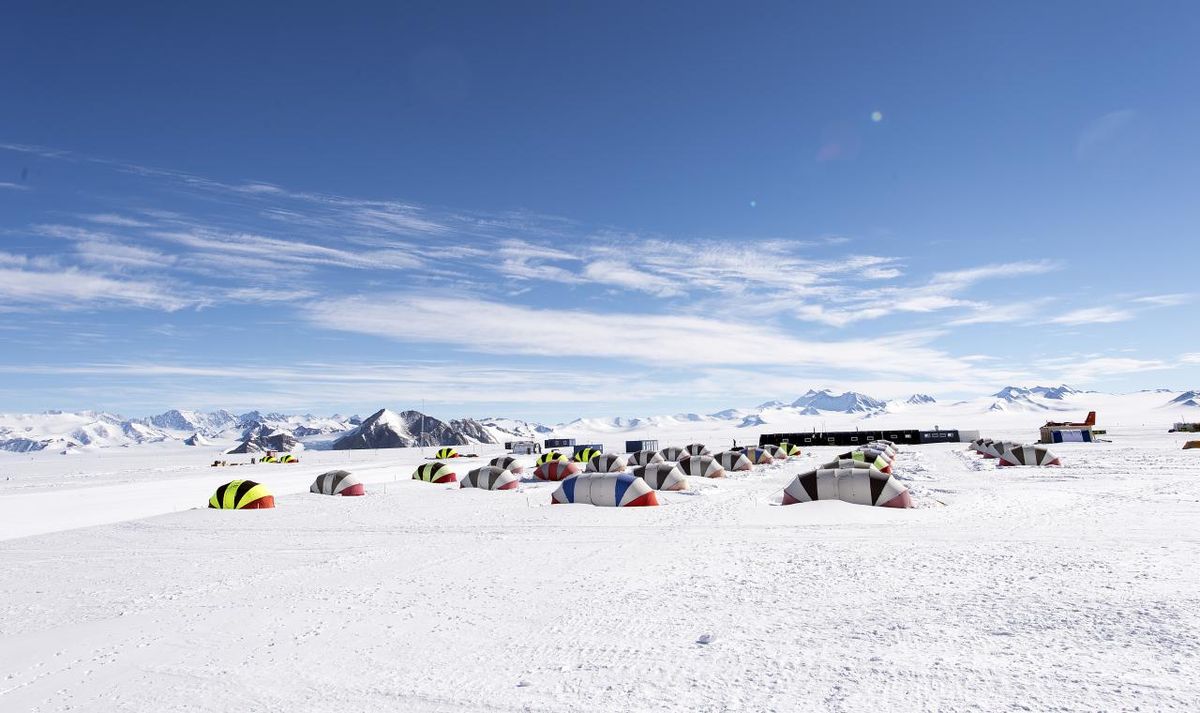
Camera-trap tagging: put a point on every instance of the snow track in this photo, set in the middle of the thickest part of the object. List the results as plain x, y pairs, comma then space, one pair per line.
1031, 589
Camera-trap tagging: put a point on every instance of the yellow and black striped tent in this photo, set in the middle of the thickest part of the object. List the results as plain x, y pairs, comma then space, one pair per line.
435, 473
446, 453
586, 455
268, 459
288, 458
549, 456
242, 495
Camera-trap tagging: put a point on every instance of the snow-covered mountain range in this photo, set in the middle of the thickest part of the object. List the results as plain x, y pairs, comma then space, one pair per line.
256, 430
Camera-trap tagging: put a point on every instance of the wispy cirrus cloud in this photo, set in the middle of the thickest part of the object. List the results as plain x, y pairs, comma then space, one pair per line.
74, 289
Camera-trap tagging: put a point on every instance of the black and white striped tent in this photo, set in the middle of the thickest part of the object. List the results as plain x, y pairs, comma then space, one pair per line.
645, 458
508, 463
1028, 455
734, 460
662, 476
701, 467
697, 449
337, 482
861, 486
605, 463
490, 477
672, 453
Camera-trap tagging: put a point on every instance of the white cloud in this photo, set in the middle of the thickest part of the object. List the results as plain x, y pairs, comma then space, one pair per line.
1172, 300
1093, 315
291, 252
71, 288
667, 340
263, 294
13, 186
115, 220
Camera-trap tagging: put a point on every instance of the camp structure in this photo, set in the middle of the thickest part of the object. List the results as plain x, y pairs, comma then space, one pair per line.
1069, 431
287, 458
621, 490
522, 448
268, 459
886, 448
758, 456
662, 476
508, 463
641, 445
792, 449
734, 460
435, 472
586, 455
672, 453
605, 463
645, 458
549, 456
337, 482
490, 477
1190, 445
446, 453
557, 470
843, 463
701, 467
1028, 455
242, 495
697, 449
860, 486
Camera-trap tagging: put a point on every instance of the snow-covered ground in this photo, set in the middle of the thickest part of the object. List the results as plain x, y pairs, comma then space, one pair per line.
1070, 588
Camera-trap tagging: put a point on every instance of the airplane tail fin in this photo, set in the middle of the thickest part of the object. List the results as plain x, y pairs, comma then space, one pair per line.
1091, 419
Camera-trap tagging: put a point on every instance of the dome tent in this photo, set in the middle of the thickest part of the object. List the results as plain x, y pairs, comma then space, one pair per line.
758, 456
860, 486
557, 470
775, 452
662, 476
549, 456
620, 490
1028, 455
672, 453
734, 460
697, 449
871, 457
337, 482
446, 453
1190, 445
792, 449
701, 467
508, 463
645, 457
435, 473
605, 463
242, 495
490, 477
586, 454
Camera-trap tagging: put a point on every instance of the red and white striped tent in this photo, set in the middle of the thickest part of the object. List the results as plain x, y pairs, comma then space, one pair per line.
861, 486
557, 470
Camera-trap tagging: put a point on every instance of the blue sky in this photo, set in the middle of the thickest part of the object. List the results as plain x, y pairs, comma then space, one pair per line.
552, 209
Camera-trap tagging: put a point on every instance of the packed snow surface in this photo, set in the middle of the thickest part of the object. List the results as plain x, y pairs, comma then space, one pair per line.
1068, 589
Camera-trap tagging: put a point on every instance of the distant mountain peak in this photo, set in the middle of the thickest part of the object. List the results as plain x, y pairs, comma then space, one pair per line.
917, 399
